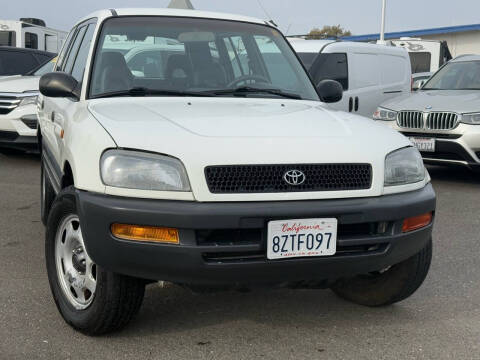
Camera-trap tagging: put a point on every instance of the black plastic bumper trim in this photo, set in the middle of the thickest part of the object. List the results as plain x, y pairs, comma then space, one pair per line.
185, 263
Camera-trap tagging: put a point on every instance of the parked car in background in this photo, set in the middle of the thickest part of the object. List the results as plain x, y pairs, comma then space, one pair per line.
442, 119
370, 74
18, 108
31, 33
214, 172
419, 79
16, 61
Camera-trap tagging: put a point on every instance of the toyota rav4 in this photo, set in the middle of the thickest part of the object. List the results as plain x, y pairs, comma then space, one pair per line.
192, 147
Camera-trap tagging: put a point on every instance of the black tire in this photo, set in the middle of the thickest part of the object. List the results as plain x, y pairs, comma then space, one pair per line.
47, 194
117, 298
388, 287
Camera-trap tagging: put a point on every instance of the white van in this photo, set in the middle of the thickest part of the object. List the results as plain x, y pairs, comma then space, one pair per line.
370, 74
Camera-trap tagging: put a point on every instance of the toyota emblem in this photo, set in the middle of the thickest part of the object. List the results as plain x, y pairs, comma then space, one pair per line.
294, 177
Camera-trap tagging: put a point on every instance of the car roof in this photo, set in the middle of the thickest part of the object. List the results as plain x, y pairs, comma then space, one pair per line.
13, 48
466, 57
302, 45
103, 14
318, 45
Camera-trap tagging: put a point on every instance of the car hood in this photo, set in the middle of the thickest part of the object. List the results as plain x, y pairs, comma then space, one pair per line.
221, 131
19, 83
459, 101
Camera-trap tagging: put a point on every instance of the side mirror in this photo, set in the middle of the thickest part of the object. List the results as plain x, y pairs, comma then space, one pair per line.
330, 91
418, 84
59, 84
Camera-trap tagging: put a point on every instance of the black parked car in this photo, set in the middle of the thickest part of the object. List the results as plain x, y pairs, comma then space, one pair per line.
20, 61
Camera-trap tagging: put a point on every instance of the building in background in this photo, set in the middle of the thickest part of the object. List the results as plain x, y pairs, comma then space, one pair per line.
464, 39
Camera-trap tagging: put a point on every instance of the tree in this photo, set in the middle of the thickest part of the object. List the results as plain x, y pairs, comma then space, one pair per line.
334, 31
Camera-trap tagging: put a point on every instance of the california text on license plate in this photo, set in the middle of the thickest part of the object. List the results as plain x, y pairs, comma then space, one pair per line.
423, 144
301, 238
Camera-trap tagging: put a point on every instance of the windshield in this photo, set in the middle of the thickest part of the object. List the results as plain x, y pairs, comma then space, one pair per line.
464, 75
45, 68
195, 56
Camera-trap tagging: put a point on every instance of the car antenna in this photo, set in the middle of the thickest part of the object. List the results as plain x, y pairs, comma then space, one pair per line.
266, 13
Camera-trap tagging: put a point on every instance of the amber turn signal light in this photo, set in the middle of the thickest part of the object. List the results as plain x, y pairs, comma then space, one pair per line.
416, 222
145, 233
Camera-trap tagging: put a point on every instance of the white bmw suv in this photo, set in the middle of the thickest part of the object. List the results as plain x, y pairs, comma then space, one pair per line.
212, 162
442, 118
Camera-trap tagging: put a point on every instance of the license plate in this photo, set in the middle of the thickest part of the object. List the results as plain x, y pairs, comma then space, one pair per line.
423, 144
301, 238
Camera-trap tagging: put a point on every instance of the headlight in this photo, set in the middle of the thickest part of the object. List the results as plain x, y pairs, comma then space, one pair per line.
384, 114
143, 171
404, 166
472, 118
28, 100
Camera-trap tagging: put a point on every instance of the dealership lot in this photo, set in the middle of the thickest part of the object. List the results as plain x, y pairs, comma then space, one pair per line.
442, 320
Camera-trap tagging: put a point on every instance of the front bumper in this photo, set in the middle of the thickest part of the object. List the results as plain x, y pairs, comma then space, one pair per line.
460, 146
18, 129
225, 243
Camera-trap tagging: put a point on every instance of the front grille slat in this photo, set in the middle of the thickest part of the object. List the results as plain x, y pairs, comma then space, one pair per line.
8, 103
237, 179
442, 121
410, 119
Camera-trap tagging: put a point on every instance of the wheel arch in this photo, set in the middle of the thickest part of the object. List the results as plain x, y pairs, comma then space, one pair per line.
68, 178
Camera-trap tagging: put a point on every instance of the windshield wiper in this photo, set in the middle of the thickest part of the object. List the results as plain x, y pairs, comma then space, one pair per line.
243, 90
142, 91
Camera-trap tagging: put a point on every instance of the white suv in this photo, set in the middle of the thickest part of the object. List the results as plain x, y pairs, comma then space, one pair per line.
18, 108
214, 163
442, 118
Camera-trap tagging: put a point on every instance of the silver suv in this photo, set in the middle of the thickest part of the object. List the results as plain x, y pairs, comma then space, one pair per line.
442, 119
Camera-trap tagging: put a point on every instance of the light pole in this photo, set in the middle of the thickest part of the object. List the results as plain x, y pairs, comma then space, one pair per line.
382, 31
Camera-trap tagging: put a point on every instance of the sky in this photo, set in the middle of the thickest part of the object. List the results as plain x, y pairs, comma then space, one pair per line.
293, 16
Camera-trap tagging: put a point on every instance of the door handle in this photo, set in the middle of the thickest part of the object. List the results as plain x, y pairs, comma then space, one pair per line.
350, 105
52, 116
357, 103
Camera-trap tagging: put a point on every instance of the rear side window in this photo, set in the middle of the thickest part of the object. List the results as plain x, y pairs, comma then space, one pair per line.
63, 53
82, 54
420, 61
73, 50
31, 41
333, 66
16, 63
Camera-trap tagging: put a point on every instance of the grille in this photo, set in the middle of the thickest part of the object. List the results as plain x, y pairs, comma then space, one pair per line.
221, 237
410, 119
8, 103
256, 256
231, 179
256, 239
442, 121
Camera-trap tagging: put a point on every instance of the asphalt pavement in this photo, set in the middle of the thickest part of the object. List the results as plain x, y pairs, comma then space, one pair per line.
440, 321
